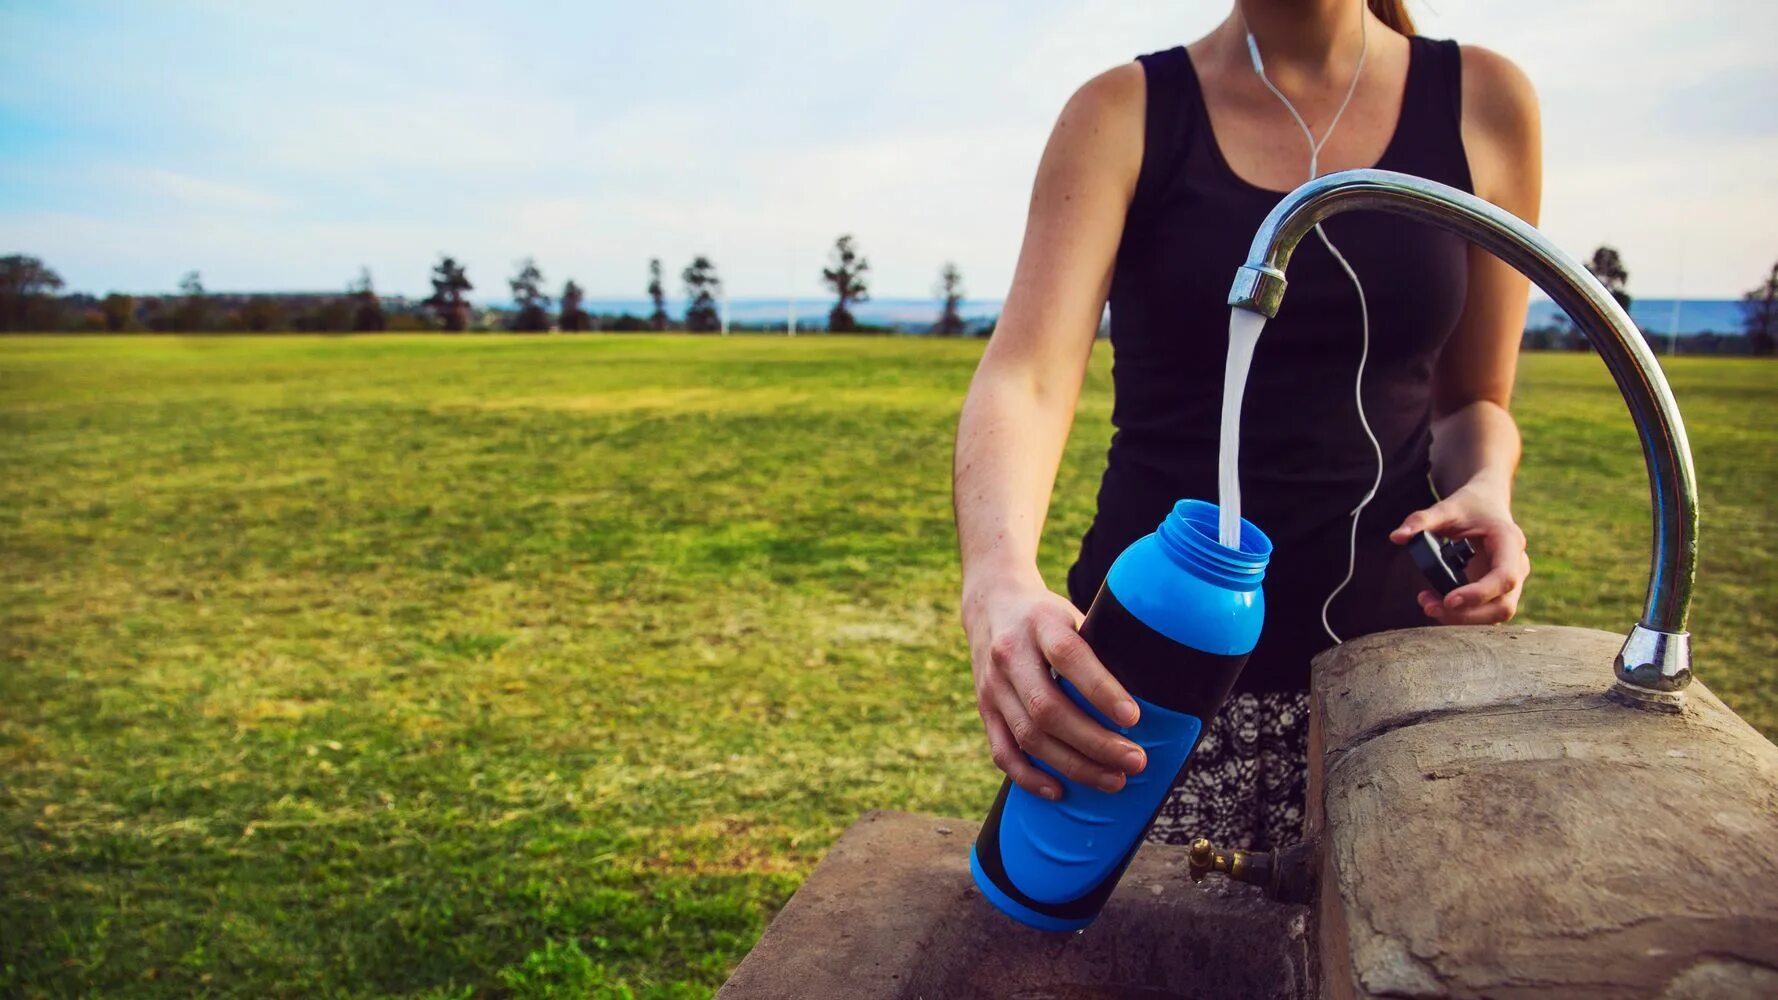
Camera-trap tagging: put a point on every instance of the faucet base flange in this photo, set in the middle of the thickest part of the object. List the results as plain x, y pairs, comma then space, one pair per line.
1646, 700
1654, 661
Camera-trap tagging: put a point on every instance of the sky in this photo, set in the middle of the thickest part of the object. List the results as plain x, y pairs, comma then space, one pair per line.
285, 146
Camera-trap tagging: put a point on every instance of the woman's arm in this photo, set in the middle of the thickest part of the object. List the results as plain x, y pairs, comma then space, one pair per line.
1475, 450
1010, 437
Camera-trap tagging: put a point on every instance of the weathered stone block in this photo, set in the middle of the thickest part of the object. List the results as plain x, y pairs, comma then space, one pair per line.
1493, 825
891, 913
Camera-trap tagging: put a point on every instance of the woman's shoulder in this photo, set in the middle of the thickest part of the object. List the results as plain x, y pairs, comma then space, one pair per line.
1119, 92
1107, 110
1502, 130
1498, 98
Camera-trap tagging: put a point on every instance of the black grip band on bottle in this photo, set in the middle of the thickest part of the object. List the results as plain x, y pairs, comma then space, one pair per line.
1155, 668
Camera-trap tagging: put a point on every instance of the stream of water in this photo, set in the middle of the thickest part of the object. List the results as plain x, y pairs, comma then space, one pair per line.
1244, 328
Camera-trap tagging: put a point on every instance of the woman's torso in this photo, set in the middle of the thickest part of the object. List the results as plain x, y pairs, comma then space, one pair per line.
1305, 462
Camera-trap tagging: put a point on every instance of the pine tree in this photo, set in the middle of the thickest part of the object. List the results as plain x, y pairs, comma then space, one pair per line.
1759, 315
367, 309
193, 314
658, 292
846, 278
950, 290
574, 318
1608, 267
527, 291
449, 281
701, 288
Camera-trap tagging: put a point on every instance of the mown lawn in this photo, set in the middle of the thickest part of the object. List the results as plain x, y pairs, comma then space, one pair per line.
432, 666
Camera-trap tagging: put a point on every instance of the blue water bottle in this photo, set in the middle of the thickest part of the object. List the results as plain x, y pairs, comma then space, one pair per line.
1174, 622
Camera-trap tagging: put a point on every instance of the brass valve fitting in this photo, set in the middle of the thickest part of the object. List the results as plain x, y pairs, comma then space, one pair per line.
1286, 875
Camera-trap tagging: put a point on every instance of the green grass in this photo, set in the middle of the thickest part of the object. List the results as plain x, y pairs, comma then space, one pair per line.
435, 666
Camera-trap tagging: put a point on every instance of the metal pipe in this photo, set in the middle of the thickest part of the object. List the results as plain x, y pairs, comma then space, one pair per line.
1654, 665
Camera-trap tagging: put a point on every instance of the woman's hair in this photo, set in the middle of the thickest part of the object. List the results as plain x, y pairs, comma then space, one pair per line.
1394, 13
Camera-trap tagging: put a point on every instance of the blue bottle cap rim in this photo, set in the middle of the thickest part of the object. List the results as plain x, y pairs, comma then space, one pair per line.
1192, 529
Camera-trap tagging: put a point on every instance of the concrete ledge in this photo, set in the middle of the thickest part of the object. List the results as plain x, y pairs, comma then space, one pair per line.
891, 913
1492, 825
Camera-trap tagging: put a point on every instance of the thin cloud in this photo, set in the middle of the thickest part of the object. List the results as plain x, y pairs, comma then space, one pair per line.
191, 191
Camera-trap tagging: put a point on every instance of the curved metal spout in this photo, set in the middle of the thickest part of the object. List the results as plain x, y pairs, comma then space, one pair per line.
1655, 663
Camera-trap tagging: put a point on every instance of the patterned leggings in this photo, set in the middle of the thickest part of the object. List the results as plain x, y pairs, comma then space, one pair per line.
1245, 784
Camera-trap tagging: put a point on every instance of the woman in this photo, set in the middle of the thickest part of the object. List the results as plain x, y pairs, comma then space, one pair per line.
1152, 185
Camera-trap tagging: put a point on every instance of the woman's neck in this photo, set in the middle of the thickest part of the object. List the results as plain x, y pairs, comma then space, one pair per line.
1304, 39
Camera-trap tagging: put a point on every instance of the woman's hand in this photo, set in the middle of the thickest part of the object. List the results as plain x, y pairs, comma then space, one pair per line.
1017, 634
1497, 573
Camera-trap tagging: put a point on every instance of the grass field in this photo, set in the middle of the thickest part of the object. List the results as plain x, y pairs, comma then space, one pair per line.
493, 665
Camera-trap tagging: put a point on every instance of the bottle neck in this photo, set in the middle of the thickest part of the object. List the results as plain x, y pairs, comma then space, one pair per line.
1189, 537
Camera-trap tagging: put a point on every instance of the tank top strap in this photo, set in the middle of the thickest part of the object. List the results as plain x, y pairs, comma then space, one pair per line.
1171, 122
1431, 124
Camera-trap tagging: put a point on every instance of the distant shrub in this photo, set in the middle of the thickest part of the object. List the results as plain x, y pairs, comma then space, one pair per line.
625, 323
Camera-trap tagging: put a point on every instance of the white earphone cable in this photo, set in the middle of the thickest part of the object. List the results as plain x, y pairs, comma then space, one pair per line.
1363, 307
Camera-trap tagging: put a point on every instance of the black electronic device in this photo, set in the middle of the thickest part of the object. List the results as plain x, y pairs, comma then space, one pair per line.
1441, 561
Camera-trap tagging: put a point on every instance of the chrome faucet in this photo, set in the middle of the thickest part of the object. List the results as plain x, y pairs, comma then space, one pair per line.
1654, 666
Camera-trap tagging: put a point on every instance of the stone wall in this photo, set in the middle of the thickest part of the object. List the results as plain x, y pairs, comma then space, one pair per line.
891, 914
1492, 825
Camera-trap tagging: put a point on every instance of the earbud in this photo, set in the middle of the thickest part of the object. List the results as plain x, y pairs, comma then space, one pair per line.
1259, 65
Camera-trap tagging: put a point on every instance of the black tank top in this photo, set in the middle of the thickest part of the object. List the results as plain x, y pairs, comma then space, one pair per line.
1305, 462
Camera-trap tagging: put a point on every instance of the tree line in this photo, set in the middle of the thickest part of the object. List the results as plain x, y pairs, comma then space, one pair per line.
30, 300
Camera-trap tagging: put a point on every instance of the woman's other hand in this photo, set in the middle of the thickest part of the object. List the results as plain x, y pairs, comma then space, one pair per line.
1017, 635
1475, 444
1498, 571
